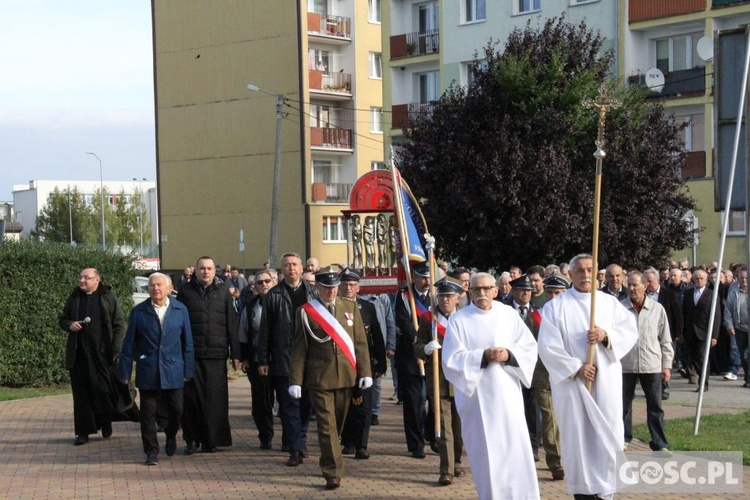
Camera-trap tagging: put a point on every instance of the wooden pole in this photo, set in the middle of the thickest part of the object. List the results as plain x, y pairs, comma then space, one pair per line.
602, 104
436, 353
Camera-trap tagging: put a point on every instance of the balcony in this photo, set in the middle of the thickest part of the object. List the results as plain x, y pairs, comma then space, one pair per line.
683, 83
330, 86
644, 10
330, 192
415, 44
725, 3
404, 115
695, 164
331, 139
329, 29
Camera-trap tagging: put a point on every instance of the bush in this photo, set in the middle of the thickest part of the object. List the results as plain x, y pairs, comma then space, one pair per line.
37, 280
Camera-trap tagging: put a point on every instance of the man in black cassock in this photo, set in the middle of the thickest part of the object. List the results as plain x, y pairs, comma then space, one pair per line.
214, 321
96, 328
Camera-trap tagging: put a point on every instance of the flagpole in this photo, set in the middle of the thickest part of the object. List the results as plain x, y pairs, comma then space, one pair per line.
398, 206
601, 103
435, 361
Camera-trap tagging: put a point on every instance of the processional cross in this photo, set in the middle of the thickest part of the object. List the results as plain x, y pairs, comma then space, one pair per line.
603, 104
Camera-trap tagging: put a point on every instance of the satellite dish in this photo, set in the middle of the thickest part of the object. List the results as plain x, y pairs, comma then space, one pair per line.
655, 80
705, 48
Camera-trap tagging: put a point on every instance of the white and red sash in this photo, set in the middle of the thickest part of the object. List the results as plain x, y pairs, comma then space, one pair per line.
442, 323
333, 328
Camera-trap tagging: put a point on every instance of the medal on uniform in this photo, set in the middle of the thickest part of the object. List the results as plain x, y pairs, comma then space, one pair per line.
349, 319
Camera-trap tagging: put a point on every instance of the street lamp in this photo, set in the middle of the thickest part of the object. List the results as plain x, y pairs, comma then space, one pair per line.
276, 175
101, 189
140, 209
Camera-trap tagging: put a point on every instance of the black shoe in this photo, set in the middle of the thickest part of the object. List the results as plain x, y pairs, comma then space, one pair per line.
683, 373
152, 459
265, 445
304, 453
81, 439
536, 456
434, 448
361, 454
295, 459
190, 448
171, 447
705, 389
374, 420
347, 450
418, 454
106, 430
210, 449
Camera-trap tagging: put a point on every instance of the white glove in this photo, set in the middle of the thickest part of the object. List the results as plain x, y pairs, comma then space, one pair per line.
365, 383
295, 391
432, 347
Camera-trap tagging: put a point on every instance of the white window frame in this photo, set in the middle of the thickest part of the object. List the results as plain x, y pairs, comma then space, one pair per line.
573, 3
521, 7
469, 8
690, 56
376, 65
373, 11
734, 231
468, 73
376, 120
378, 165
339, 227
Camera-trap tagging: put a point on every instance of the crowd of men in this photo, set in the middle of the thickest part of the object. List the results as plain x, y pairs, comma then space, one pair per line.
520, 361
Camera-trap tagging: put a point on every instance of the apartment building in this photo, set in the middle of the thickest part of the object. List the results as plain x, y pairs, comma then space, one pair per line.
216, 139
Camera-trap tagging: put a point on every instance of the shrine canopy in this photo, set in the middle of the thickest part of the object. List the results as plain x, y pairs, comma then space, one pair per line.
373, 192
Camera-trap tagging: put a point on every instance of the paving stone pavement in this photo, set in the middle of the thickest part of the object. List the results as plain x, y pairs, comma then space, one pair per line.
38, 459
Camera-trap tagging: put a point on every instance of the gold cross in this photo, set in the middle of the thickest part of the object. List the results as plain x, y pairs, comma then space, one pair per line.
602, 104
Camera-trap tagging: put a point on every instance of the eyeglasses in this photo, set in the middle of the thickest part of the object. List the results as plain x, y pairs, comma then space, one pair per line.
262, 282
86, 278
478, 289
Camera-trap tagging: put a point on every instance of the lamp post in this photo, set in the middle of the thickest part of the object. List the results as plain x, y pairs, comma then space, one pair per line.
101, 189
140, 209
276, 175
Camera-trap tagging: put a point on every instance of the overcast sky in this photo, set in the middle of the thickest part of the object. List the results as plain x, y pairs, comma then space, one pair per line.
75, 76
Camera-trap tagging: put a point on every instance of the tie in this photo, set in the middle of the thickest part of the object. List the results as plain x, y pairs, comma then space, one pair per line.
522, 310
331, 309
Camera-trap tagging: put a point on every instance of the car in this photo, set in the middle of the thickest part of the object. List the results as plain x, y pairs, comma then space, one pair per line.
140, 289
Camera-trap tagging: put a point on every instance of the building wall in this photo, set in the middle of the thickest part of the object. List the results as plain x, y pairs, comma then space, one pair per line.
215, 138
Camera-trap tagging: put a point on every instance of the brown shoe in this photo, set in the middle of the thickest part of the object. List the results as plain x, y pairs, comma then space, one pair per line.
445, 480
332, 483
558, 474
459, 472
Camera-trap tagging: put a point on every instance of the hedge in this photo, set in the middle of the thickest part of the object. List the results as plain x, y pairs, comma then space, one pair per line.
37, 278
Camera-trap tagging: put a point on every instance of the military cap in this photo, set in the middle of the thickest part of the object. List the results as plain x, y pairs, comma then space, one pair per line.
421, 269
327, 277
556, 281
522, 283
348, 275
448, 286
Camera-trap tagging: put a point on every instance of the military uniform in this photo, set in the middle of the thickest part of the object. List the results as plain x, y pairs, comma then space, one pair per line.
319, 365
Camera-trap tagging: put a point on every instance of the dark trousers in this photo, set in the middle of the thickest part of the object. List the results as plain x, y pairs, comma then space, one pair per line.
356, 430
87, 418
532, 415
651, 384
295, 414
410, 388
205, 418
261, 391
171, 400
738, 353
696, 350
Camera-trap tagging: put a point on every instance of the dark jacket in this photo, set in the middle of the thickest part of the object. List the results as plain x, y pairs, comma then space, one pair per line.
696, 316
375, 342
670, 302
163, 353
248, 348
405, 360
213, 319
112, 321
277, 329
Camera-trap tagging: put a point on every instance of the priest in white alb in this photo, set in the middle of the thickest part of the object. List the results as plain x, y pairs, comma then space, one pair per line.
488, 352
591, 427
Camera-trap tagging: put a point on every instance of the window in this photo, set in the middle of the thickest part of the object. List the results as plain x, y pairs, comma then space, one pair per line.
378, 165
526, 6
376, 65
373, 11
678, 52
429, 87
319, 6
474, 10
376, 120
320, 116
318, 60
736, 223
323, 172
334, 229
471, 69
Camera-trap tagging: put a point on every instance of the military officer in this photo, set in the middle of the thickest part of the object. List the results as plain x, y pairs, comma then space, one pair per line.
330, 357
450, 444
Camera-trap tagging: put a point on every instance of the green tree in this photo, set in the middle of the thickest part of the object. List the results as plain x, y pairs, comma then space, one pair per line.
511, 158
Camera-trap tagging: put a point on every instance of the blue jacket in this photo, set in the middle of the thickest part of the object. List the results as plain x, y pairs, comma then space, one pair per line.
163, 354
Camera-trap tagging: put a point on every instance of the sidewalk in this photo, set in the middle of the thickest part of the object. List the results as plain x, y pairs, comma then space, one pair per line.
38, 459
